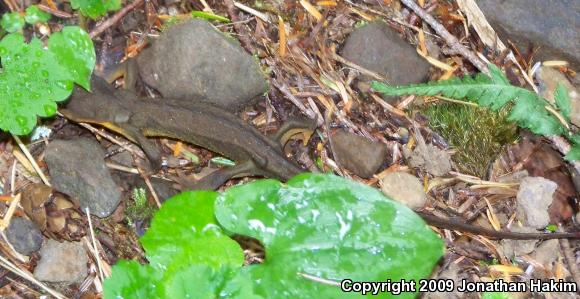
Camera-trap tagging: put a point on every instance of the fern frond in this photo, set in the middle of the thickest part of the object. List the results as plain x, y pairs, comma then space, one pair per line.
492, 91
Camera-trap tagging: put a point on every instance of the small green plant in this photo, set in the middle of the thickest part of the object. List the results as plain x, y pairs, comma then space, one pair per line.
316, 229
15, 21
139, 209
34, 77
95, 8
528, 110
477, 133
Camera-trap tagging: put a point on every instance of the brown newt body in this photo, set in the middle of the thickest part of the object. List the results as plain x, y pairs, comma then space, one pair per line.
197, 123
217, 130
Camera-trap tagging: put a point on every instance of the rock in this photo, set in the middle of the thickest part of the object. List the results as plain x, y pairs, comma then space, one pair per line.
404, 188
85, 179
434, 160
551, 25
547, 252
534, 197
24, 235
194, 60
358, 154
512, 248
380, 49
62, 262
548, 79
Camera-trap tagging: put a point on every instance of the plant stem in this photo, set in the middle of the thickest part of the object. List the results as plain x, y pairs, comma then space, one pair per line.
31, 159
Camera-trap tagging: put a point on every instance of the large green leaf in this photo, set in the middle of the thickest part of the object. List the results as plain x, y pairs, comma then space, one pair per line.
318, 227
34, 79
330, 228
95, 8
131, 280
74, 50
184, 232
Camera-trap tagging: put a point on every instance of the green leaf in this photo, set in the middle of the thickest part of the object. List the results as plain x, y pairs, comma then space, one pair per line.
12, 21
492, 91
95, 8
30, 84
574, 153
530, 113
575, 139
495, 295
563, 100
129, 279
33, 78
203, 282
318, 225
73, 48
184, 232
209, 16
328, 227
36, 15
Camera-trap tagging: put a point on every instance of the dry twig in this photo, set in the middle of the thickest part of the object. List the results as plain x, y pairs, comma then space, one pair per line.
448, 37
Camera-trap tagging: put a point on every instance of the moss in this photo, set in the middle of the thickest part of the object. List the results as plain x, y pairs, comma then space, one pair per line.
139, 209
477, 134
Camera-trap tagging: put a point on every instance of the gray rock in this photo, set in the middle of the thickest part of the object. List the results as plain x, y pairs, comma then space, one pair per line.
434, 160
62, 262
547, 252
77, 168
24, 235
549, 79
194, 60
358, 154
404, 188
513, 248
379, 48
534, 197
551, 25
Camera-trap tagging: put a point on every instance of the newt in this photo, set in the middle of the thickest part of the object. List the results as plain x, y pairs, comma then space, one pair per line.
220, 131
198, 123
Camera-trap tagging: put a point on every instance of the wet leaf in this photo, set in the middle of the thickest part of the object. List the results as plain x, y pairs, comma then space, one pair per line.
95, 8
36, 15
131, 280
74, 50
12, 21
184, 231
318, 225
327, 227
34, 78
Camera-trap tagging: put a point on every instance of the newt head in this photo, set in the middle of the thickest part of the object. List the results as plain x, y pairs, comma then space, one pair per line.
97, 107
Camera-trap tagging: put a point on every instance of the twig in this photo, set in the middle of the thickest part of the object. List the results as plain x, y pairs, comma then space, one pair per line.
8, 265
150, 187
570, 259
101, 27
31, 159
238, 27
94, 245
358, 67
55, 12
286, 91
448, 37
4, 222
252, 11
